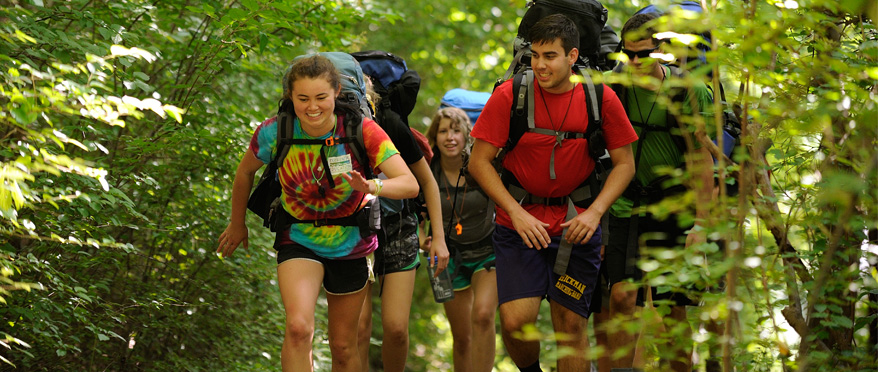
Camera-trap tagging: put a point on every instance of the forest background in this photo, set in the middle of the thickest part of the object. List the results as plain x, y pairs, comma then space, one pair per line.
123, 122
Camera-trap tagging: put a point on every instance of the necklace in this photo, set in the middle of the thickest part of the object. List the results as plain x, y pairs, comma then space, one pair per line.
643, 121
458, 228
546, 106
645, 130
316, 164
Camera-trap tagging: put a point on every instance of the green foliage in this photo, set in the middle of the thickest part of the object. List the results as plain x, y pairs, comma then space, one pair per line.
123, 121
118, 137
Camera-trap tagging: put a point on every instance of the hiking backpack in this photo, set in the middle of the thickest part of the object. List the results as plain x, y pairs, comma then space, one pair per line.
522, 121
659, 188
393, 81
398, 87
469, 101
590, 18
265, 199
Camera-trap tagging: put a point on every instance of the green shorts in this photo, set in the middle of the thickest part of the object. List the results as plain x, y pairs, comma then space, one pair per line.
463, 272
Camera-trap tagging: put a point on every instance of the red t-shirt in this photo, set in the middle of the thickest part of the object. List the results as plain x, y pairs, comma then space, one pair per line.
529, 160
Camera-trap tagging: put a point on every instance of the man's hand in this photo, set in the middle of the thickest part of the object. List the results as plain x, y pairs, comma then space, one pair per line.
532, 230
581, 228
231, 238
695, 236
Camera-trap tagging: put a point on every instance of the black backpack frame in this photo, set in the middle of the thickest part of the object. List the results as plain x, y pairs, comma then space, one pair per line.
590, 18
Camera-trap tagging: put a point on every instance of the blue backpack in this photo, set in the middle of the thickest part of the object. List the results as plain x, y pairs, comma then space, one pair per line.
393, 81
469, 101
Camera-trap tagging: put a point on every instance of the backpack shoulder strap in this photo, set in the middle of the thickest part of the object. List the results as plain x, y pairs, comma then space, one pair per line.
594, 102
620, 90
521, 117
678, 96
285, 119
594, 99
354, 130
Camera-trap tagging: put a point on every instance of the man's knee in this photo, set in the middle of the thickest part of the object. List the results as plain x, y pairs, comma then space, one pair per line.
569, 322
623, 297
510, 323
516, 314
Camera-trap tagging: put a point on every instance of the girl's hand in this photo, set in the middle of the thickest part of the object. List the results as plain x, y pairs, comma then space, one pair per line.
427, 244
440, 253
231, 238
357, 182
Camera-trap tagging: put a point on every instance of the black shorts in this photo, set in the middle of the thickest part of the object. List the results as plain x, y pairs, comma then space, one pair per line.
339, 276
397, 244
601, 297
652, 233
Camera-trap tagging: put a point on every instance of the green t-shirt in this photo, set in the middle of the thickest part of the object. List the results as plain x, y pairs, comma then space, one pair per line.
660, 151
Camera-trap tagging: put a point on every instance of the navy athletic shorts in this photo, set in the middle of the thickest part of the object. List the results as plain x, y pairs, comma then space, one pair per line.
524, 272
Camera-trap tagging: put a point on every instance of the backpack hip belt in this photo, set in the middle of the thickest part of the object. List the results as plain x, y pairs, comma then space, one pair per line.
283, 220
582, 196
280, 220
471, 251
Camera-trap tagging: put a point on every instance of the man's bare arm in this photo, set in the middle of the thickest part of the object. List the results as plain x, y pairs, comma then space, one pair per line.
532, 230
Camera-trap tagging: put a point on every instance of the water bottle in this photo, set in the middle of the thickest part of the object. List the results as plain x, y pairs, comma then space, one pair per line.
443, 290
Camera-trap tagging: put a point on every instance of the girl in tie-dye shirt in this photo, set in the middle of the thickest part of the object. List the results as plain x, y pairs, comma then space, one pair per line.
337, 257
302, 197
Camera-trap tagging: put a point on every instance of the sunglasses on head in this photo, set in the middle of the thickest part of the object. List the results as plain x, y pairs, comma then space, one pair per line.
640, 54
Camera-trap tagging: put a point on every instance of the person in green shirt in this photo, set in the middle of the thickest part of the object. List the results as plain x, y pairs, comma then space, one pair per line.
660, 114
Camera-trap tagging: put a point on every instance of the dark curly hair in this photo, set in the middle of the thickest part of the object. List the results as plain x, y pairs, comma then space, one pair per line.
555, 26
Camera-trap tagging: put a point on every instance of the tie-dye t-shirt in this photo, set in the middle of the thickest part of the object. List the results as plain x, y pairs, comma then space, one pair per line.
301, 192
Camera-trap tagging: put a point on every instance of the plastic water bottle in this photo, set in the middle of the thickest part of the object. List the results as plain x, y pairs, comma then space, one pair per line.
443, 290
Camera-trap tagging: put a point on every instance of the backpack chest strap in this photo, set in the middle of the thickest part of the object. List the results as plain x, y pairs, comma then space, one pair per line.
526, 90
324, 143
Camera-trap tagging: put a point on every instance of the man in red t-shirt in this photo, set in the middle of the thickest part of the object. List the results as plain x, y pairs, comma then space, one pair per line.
527, 236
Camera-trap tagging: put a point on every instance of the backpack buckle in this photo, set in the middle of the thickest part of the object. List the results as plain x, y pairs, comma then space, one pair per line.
330, 141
